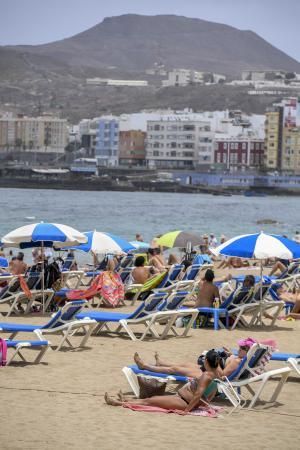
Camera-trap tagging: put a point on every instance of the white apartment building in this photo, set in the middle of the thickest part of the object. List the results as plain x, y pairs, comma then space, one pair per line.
183, 77
178, 142
111, 82
44, 134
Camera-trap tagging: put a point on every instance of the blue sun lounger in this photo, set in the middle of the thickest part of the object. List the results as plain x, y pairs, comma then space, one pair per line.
63, 322
19, 346
153, 311
249, 371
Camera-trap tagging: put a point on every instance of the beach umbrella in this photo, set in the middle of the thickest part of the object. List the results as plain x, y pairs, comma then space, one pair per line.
259, 246
138, 245
102, 243
3, 262
179, 239
43, 235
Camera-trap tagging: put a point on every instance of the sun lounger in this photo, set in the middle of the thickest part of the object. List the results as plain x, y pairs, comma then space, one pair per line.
250, 371
63, 322
18, 346
148, 314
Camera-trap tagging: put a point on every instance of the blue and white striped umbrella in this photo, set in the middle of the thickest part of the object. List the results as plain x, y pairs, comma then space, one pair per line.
259, 246
102, 243
43, 234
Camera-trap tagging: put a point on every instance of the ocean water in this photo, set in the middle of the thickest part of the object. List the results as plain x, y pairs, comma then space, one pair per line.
148, 213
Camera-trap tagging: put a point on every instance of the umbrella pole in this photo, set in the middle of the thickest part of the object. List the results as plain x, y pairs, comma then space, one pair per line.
43, 278
260, 295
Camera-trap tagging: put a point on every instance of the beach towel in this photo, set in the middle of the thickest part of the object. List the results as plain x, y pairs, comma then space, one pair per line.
108, 284
24, 286
205, 411
3, 352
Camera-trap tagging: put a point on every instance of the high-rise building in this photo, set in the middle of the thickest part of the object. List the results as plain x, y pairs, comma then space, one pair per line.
107, 141
282, 136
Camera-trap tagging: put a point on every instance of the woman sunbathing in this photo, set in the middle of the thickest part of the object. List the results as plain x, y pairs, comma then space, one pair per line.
189, 369
193, 394
293, 298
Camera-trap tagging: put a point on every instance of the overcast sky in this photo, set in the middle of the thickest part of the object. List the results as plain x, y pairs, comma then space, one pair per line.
40, 21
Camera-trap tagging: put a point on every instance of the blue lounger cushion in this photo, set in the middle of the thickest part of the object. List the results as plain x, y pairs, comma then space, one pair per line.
102, 316
7, 326
148, 373
32, 343
277, 356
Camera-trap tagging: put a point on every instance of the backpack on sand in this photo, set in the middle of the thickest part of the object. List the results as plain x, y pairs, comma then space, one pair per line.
3, 352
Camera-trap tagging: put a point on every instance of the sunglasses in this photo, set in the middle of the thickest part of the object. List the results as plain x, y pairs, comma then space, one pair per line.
244, 347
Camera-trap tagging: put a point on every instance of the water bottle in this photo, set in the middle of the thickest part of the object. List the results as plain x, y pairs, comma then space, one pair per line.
216, 303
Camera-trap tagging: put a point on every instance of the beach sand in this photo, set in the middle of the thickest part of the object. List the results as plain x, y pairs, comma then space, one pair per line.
59, 403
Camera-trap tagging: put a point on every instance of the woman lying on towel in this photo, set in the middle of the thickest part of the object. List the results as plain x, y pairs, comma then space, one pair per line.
228, 362
192, 395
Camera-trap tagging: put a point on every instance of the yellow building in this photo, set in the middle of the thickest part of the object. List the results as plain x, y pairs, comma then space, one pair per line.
290, 155
272, 139
44, 134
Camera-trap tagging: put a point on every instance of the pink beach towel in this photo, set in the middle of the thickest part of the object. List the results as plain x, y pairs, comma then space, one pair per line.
211, 411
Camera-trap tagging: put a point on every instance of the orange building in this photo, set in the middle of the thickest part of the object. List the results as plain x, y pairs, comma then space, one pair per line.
132, 148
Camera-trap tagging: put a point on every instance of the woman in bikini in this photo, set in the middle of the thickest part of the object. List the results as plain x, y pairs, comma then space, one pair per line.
190, 369
193, 394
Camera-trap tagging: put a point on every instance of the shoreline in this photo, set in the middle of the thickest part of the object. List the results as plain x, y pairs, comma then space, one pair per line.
159, 187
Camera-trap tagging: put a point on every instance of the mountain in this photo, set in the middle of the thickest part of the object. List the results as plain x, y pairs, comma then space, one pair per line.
133, 43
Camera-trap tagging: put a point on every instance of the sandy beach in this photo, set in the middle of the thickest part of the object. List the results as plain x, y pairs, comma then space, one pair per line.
59, 403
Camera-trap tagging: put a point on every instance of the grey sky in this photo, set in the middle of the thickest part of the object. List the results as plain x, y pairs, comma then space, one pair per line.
40, 21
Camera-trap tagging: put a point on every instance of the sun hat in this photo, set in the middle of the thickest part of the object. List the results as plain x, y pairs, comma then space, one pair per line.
247, 342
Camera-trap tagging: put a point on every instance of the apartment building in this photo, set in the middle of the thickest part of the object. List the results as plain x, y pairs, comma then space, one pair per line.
239, 152
290, 157
44, 134
273, 138
282, 136
132, 150
177, 142
107, 141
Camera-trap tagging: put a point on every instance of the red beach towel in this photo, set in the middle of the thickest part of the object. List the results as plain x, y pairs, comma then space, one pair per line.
24, 286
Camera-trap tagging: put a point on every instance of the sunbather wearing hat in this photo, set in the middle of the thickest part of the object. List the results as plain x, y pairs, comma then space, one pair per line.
193, 394
228, 364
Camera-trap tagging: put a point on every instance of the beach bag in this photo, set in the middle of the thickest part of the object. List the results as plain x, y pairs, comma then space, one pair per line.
3, 352
149, 387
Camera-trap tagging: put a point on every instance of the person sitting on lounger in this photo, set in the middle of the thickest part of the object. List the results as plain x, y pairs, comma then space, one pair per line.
190, 369
207, 292
293, 298
140, 274
279, 267
193, 394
